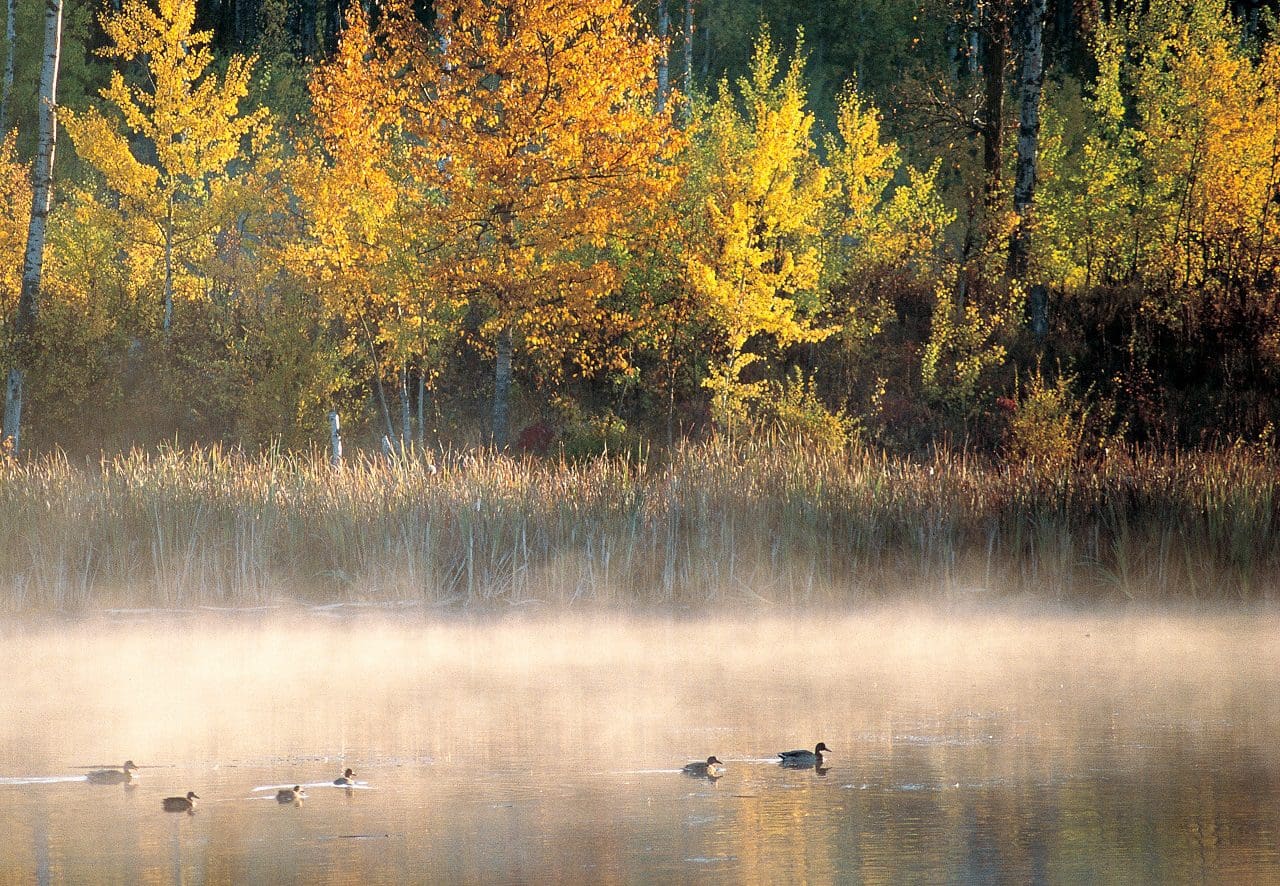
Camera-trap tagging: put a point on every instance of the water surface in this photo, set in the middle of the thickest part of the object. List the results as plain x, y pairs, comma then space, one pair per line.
970, 747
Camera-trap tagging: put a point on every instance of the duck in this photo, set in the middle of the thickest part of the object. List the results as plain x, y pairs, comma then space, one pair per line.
713, 768
346, 780
181, 804
113, 776
806, 759
289, 795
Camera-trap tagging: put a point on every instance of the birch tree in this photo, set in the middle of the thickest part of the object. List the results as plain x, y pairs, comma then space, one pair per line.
1030, 85
24, 327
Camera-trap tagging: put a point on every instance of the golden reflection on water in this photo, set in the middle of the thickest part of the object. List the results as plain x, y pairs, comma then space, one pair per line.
968, 747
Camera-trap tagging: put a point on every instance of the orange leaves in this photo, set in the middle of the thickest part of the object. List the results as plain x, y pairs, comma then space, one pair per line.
533, 122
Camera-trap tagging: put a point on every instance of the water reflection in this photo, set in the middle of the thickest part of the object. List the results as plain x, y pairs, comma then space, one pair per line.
971, 748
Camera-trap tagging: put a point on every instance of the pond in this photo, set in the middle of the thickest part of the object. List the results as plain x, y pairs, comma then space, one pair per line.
968, 746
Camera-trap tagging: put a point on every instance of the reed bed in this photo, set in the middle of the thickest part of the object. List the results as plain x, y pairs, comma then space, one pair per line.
713, 523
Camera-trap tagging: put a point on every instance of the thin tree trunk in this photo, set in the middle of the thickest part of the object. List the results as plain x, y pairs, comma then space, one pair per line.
406, 415
1031, 84
335, 439
308, 13
10, 44
688, 59
502, 388
994, 52
42, 196
422, 415
974, 37
166, 324
377, 379
706, 45
664, 60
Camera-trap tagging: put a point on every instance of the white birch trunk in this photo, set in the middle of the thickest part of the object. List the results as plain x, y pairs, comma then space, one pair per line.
41, 199
335, 440
1030, 85
10, 45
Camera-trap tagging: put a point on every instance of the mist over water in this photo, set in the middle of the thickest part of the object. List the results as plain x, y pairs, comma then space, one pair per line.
969, 746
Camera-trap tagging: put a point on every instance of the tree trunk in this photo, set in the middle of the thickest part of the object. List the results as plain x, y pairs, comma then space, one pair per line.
688, 59
10, 44
974, 37
308, 14
406, 415
664, 63
335, 440
1030, 85
422, 415
706, 46
502, 388
24, 326
166, 323
994, 52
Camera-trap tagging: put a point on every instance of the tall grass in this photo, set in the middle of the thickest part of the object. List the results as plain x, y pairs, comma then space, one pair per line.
708, 523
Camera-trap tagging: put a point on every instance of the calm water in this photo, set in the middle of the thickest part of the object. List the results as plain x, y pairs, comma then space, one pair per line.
969, 748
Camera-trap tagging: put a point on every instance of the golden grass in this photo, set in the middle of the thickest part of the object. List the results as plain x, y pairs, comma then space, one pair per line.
710, 523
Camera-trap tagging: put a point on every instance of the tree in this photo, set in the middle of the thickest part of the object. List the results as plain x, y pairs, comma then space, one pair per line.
372, 245
24, 327
756, 260
167, 157
533, 122
1030, 84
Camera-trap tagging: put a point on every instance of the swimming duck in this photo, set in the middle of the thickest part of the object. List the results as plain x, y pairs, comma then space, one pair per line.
181, 804
346, 779
806, 759
713, 768
113, 776
290, 795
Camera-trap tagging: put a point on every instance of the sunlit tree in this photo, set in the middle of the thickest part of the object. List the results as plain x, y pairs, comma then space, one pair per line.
534, 123
168, 146
755, 258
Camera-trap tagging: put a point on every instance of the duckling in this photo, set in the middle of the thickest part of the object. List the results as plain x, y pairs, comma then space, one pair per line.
113, 776
346, 780
806, 759
713, 768
181, 804
290, 795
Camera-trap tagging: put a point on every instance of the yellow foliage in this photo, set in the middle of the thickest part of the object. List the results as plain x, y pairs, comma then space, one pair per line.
533, 124
756, 268
15, 213
166, 205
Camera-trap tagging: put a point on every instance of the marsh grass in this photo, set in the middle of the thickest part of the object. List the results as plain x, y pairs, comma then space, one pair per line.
711, 523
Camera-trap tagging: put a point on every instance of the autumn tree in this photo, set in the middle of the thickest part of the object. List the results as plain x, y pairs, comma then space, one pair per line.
755, 258
371, 243
24, 324
168, 151
534, 124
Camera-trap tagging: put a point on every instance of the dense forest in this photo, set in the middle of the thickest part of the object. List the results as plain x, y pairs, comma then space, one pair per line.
1032, 228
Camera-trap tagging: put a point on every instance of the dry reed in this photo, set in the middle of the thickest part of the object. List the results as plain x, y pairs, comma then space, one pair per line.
709, 523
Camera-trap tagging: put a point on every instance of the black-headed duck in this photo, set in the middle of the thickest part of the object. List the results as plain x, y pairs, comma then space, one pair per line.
181, 804
713, 768
113, 776
806, 759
